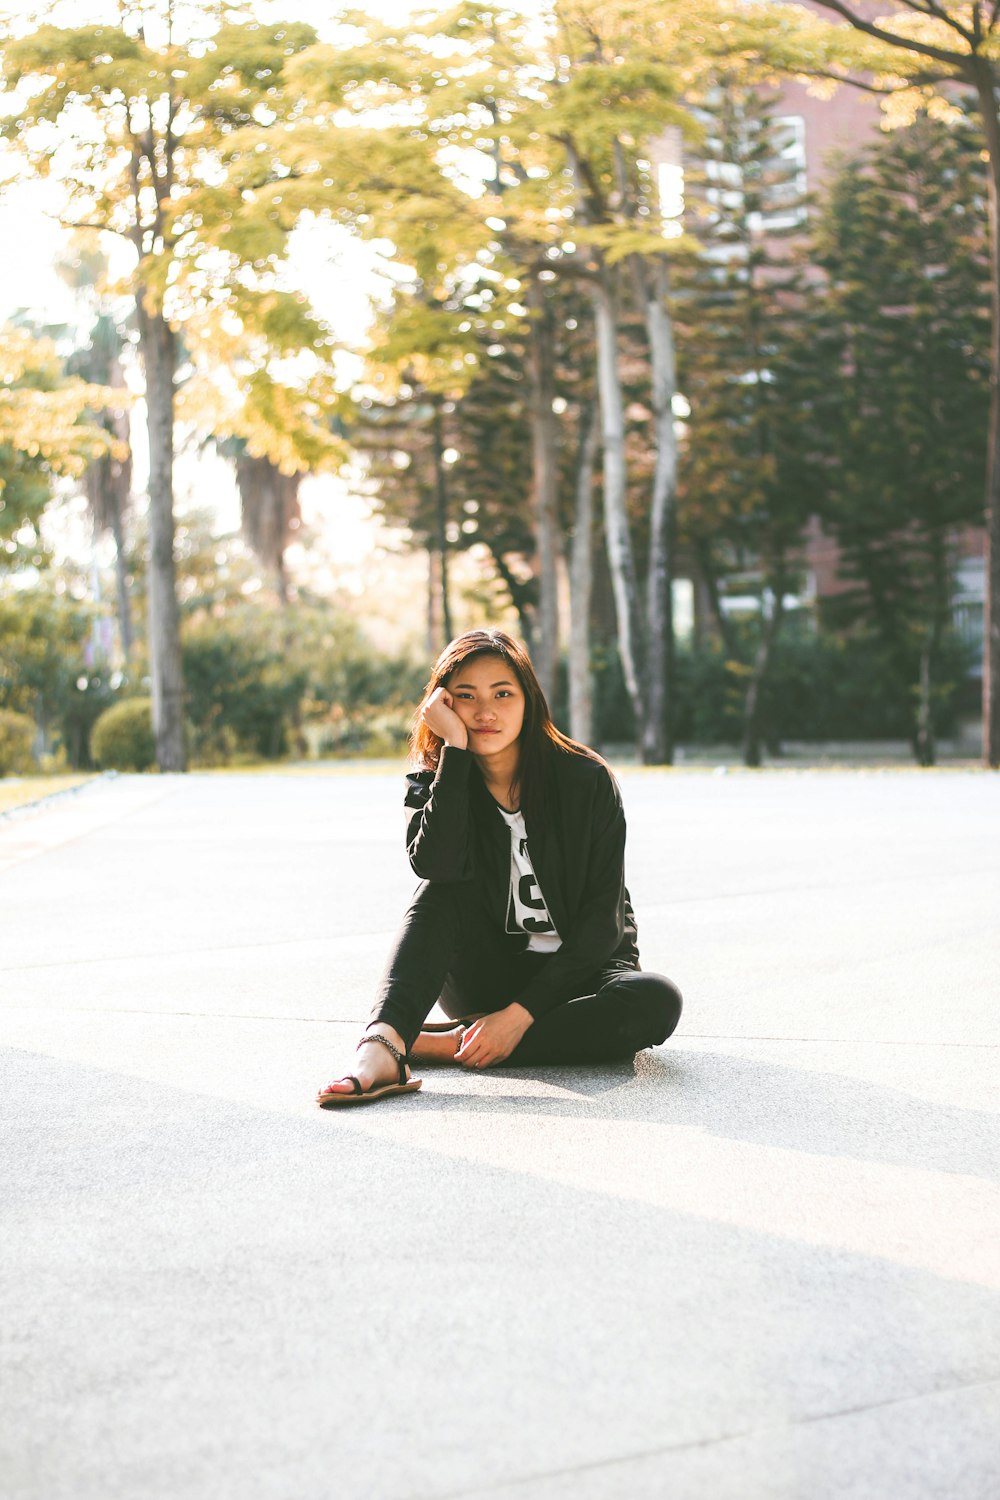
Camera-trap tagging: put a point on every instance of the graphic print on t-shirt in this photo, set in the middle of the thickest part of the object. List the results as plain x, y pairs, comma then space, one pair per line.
526, 909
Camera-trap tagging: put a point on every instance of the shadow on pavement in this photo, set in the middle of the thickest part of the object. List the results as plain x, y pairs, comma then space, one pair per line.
762, 1103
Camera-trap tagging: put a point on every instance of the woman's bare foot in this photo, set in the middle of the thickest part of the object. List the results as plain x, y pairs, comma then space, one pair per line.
432, 1046
373, 1064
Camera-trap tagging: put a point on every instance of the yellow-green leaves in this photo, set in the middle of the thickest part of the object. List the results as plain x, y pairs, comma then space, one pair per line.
424, 344
42, 410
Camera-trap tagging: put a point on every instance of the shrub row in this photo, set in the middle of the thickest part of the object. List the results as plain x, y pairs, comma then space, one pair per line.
246, 703
820, 688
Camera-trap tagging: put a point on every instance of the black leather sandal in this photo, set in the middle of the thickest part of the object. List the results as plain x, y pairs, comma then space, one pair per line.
329, 1097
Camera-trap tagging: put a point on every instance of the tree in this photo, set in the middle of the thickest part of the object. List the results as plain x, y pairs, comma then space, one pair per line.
381, 179
922, 54
275, 431
470, 109
420, 363
270, 512
107, 482
455, 472
165, 111
905, 334
747, 491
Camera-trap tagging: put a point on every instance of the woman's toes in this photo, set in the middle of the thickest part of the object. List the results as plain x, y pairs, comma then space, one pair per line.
336, 1086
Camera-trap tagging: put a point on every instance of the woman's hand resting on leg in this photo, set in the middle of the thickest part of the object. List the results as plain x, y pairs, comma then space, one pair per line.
493, 1038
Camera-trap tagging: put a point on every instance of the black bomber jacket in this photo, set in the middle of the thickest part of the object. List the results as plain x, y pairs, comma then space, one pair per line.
454, 831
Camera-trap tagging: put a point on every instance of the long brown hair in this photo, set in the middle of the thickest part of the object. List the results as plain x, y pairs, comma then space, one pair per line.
539, 742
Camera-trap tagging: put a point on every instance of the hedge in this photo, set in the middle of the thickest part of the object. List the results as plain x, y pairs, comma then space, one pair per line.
17, 736
122, 738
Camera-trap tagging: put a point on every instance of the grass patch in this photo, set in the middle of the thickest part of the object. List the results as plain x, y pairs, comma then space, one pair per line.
18, 791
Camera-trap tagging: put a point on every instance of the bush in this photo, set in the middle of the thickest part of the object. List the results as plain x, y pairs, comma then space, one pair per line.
17, 736
243, 693
122, 738
820, 687
85, 700
261, 683
376, 733
42, 657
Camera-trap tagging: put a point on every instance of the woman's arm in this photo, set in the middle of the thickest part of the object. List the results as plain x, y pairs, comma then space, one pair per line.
437, 818
437, 828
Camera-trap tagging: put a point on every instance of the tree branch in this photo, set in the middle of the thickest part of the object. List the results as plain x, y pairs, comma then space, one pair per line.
907, 44
124, 234
874, 88
586, 184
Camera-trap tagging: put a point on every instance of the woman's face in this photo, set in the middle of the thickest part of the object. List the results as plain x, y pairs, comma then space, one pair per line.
489, 700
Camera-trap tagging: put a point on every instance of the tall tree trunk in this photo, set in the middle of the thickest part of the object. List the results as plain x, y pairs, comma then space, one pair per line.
710, 579
753, 703
434, 632
441, 516
581, 578
924, 740
522, 598
158, 345
650, 286
982, 71
269, 510
701, 610
890, 626
545, 461
121, 582
621, 562
657, 738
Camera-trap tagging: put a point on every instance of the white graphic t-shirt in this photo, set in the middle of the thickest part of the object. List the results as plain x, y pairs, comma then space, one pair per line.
526, 909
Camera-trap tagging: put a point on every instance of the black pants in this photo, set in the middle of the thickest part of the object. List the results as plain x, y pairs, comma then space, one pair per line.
449, 949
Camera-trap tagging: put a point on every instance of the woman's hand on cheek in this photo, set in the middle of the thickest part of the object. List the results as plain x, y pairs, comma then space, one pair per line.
494, 1038
439, 715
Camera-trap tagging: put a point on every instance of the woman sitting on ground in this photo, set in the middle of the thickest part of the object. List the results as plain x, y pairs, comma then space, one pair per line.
521, 927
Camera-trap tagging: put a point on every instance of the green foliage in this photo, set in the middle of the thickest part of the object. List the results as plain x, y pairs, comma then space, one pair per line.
362, 732
44, 432
242, 691
122, 738
304, 679
343, 668
89, 696
172, 144
17, 736
487, 488
829, 687
746, 369
625, 99
739, 310
42, 637
903, 335
821, 688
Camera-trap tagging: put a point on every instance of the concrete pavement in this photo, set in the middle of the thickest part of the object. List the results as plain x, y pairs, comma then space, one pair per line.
763, 1263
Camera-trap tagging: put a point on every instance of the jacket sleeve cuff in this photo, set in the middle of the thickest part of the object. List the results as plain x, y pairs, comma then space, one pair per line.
537, 1005
453, 764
